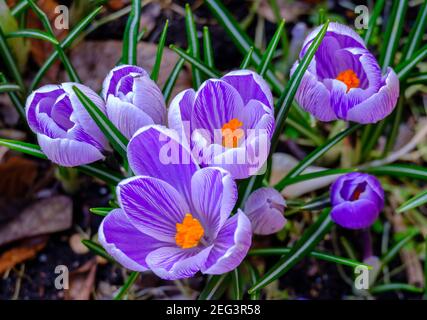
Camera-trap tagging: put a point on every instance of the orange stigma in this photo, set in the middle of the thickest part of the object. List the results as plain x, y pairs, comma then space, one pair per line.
189, 232
350, 79
231, 133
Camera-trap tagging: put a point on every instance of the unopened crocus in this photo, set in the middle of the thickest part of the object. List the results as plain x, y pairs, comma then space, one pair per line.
174, 217
228, 122
357, 199
65, 131
265, 208
132, 99
344, 80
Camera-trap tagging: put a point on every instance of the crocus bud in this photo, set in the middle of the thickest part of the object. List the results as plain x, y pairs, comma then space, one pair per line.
65, 131
264, 209
132, 99
357, 199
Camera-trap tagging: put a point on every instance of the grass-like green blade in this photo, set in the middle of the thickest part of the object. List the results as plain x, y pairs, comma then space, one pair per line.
103, 212
236, 284
316, 154
193, 44
46, 24
392, 136
212, 73
247, 59
66, 43
400, 171
382, 288
14, 98
285, 101
310, 238
215, 287
9, 62
171, 80
130, 38
404, 68
389, 255
116, 138
34, 150
313, 175
417, 32
32, 33
97, 249
20, 7
379, 5
305, 130
159, 53
414, 202
242, 41
254, 276
208, 55
127, 285
314, 254
271, 49
9, 87
24, 147
419, 78
393, 33
425, 270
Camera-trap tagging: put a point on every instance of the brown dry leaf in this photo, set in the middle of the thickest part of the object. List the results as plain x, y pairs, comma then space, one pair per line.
288, 11
17, 176
82, 282
76, 244
94, 59
117, 4
17, 255
42, 217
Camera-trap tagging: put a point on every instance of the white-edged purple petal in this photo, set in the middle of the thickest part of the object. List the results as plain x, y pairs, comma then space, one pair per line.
81, 116
68, 153
157, 152
380, 104
346, 36
231, 245
113, 78
126, 116
153, 206
214, 195
313, 97
172, 263
216, 103
251, 86
179, 112
148, 98
265, 208
125, 243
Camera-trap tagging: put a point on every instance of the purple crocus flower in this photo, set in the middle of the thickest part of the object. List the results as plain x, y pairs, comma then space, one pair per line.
133, 100
174, 217
65, 131
357, 199
265, 208
228, 121
344, 80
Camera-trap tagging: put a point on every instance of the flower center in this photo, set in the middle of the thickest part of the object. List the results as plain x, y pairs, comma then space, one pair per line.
189, 232
350, 79
358, 191
231, 133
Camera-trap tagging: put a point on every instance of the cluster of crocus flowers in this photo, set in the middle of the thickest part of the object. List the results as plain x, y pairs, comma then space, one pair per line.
227, 123
344, 80
176, 214
357, 199
174, 218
